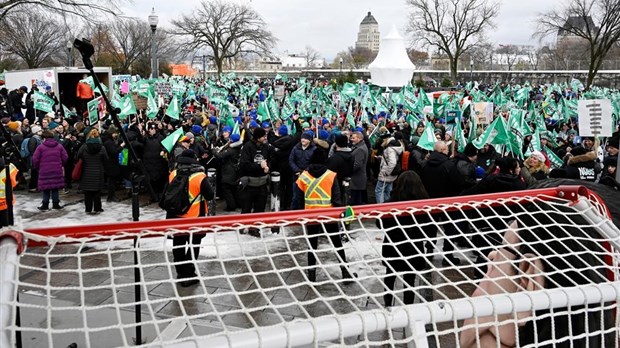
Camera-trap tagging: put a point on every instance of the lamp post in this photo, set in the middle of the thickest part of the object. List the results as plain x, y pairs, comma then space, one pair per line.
341, 61
153, 21
471, 69
69, 51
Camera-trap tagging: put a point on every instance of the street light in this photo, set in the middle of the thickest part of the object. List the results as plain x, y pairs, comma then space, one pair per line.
471, 69
69, 48
341, 61
153, 21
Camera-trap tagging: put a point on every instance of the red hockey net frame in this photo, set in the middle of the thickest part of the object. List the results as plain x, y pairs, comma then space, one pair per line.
312, 331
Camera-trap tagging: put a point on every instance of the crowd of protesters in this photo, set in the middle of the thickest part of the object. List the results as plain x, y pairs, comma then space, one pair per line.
367, 154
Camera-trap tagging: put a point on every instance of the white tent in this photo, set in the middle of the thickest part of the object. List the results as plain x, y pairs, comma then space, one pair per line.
392, 67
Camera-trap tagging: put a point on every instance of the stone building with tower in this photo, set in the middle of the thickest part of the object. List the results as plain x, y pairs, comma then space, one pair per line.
368, 35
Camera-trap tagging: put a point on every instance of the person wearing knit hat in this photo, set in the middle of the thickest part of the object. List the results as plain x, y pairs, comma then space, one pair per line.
253, 124
226, 129
283, 130
305, 125
612, 145
254, 168
535, 166
196, 129
266, 124
323, 134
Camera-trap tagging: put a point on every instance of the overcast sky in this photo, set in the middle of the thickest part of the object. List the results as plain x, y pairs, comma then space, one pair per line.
331, 26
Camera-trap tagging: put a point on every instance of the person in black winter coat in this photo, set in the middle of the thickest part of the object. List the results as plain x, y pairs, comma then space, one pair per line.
341, 161
154, 163
403, 242
487, 156
439, 175
112, 166
229, 160
16, 103
94, 155
282, 147
442, 179
466, 166
254, 166
582, 165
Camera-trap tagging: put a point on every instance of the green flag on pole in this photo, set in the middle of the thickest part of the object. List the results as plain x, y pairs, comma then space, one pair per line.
127, 107
43, 102
263, 113
556, 162
68, 113
427, 140
151, 107
169, 142
173, 108
496, 133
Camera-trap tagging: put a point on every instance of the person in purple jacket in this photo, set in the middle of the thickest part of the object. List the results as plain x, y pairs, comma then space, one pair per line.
49, 160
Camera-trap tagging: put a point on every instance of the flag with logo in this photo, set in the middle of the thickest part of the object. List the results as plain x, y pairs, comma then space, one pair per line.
68, 113
151, 107
169, 142
427, 140
43, 102
94, 107
496, 133
127, 107
173, 108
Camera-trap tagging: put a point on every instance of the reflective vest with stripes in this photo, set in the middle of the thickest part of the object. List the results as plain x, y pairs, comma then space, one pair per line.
194, 191
13, 170
317, 191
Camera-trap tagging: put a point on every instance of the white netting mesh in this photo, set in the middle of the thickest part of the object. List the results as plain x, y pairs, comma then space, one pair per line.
548, 283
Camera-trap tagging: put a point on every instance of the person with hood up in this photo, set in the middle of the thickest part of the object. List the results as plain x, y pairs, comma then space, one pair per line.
49, 160
93, 155
393, 148
282, 147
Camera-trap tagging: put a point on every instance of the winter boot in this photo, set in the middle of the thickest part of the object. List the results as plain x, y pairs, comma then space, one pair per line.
56, 205
44, 207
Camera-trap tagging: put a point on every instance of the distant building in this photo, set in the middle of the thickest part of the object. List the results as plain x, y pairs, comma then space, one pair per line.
368, 36
293, 61
269, 64
564, 34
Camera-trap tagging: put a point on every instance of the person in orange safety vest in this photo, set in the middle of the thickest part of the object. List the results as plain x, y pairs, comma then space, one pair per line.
318, 188
4, 217
186, 247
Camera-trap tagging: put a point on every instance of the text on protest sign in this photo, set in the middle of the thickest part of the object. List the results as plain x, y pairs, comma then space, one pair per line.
595, 118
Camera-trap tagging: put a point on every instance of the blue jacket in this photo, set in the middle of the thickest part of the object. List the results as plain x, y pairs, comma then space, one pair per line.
299, 159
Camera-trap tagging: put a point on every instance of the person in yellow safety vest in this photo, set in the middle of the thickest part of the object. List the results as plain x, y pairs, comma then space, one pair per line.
317, 188
4, 209
185, 251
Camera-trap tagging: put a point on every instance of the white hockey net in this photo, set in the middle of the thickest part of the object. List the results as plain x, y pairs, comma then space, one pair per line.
550, 280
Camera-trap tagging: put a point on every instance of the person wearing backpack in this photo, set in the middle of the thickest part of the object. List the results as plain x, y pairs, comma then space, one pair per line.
389, 167
186, 196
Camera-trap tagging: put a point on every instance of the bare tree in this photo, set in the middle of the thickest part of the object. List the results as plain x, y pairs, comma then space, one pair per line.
311, 55
510, 54
452, 26
596, 22
226, 29
128, 39
89, 8
419, 58
31, 36
361, 57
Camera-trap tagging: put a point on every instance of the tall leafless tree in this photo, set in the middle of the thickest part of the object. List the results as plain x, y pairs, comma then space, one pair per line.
361, 57
128, 39
452, 26
226, 30
510, 54
596, 22
311, 56
32, 36
88, 8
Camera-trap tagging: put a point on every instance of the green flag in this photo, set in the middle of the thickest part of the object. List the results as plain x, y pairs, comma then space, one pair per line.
459, 136
496, 133
43, 102
235, 129
428, 139
127, 107
169, 142
68, 113
263, 113
93, 111
151, 107
173, 108
351, 90
556, 162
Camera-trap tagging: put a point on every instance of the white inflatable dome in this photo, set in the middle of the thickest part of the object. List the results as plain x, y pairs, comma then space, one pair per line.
392, 67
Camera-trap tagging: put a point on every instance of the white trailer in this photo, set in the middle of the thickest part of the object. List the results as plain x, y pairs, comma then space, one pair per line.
62, 80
